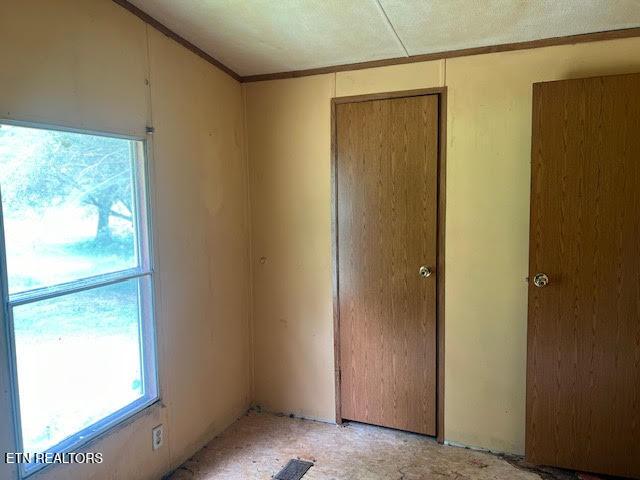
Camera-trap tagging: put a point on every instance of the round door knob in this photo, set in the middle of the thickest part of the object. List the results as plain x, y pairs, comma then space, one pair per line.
425, 271
541, 280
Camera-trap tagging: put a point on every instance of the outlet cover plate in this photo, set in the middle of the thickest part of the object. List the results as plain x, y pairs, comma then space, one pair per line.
157, 437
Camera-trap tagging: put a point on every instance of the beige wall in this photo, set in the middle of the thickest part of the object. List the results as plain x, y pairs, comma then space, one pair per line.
84, 64
293, 333
488, 148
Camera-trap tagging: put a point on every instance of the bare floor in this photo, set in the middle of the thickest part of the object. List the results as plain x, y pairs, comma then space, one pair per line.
259, 444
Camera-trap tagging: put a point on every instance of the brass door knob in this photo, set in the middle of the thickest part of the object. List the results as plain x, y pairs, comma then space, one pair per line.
425, 271
541, 280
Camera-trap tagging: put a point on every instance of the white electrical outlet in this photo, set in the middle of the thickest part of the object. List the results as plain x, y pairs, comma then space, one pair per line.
157, 437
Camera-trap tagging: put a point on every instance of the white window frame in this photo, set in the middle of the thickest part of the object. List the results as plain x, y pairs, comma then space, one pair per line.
143, 272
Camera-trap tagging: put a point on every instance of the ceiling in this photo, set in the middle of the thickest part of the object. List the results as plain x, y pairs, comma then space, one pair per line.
266, 36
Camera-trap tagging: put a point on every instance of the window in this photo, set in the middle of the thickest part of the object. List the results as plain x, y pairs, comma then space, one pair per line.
76, 284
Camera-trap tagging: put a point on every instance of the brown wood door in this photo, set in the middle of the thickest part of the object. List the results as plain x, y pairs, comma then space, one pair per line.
583, 379
386, 167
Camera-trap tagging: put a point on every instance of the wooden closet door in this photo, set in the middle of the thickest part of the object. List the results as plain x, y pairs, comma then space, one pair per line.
583, 379
386, 220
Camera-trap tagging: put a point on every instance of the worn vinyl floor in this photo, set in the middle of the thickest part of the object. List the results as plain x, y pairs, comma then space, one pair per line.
258, 445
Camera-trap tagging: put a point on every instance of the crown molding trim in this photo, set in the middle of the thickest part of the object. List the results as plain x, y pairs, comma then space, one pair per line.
465, 52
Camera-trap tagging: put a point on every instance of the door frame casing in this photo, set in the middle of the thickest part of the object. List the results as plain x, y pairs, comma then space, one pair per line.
441, 92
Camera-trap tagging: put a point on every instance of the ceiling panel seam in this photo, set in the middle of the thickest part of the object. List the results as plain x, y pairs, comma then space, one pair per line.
393, 28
